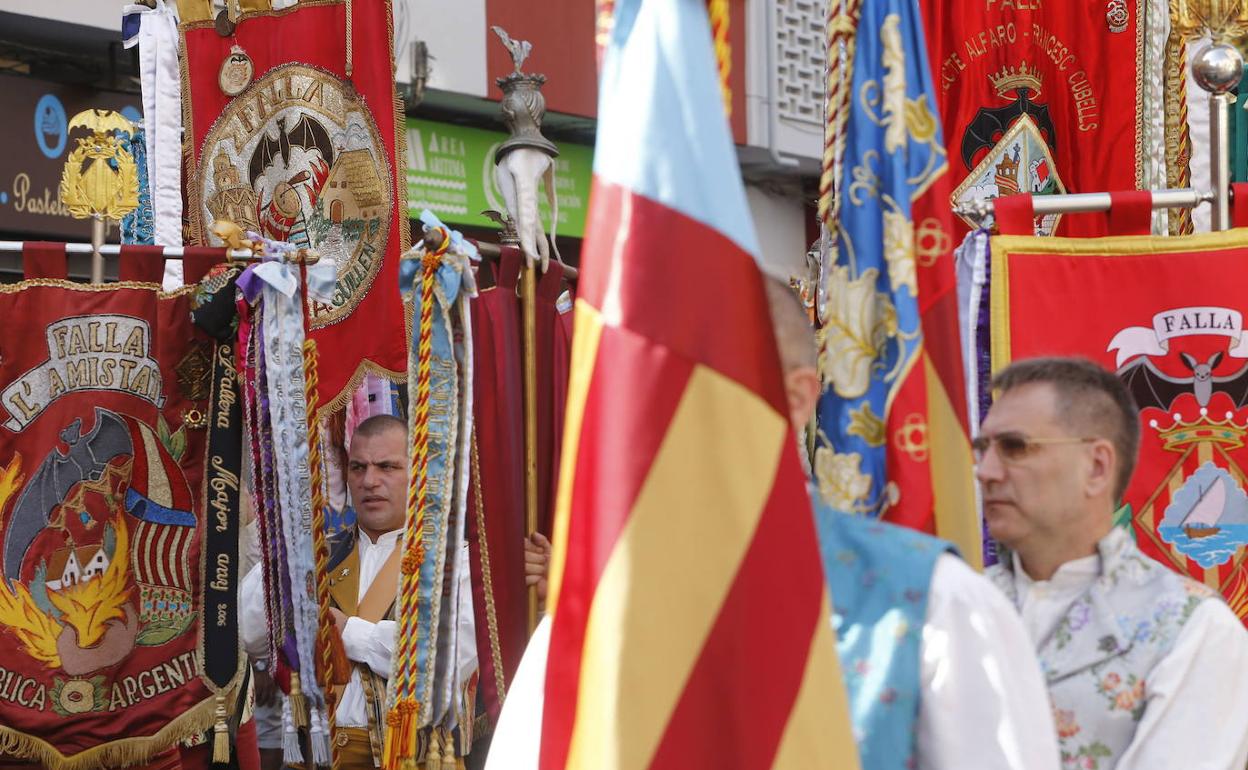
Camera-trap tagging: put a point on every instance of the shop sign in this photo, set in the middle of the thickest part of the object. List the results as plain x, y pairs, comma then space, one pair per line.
35, 140
450, 171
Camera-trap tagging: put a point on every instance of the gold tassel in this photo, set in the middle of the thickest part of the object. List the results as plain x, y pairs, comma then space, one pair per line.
298, 703
220, 733
433, 760
448, 748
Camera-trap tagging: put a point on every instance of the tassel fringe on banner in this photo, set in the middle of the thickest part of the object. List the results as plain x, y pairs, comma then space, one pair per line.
403, 720
292, 752
298, 702
118, 754
220, 733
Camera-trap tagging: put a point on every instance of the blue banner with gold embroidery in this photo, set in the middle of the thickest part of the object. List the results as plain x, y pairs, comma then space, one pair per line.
891, 422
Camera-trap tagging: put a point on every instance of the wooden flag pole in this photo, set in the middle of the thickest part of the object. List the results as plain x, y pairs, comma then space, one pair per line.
528, 311
517, 163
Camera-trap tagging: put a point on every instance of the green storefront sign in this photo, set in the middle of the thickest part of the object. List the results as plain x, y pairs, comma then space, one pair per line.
450, 171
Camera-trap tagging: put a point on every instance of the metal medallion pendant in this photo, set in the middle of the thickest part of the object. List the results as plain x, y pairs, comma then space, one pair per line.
236, 72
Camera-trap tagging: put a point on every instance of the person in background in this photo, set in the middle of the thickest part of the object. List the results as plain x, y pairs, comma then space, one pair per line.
363, 568
1146, 668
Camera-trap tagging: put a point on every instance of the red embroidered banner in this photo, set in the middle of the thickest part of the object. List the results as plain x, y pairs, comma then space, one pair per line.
1170, 321
104, 404
309, 153
1038, 97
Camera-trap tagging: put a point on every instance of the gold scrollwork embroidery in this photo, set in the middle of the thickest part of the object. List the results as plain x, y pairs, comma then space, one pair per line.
899, 247
865, 178
931, 242
865, 424
911, 437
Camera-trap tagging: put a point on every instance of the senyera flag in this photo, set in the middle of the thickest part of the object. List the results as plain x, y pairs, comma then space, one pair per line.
690, 615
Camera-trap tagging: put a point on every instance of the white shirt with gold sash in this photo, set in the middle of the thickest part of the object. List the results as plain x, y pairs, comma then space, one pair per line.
369, 643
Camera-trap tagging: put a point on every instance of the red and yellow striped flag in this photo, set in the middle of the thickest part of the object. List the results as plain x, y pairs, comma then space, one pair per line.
690, 614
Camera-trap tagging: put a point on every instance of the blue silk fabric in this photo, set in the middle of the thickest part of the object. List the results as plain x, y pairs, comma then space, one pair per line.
879, 575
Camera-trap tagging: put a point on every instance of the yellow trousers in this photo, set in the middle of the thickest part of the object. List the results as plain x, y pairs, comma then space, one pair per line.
355, 752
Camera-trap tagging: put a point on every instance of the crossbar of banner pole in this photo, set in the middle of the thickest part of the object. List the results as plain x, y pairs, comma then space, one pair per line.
488, 250
493, 251
170, 252
1073, 203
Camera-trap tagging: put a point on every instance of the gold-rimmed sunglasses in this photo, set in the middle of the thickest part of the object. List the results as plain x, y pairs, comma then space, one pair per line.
1016, 446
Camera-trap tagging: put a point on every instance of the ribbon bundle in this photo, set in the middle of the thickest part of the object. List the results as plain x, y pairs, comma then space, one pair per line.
287, 480
426, 675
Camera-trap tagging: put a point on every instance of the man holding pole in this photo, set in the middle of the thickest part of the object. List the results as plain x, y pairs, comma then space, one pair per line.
363, 567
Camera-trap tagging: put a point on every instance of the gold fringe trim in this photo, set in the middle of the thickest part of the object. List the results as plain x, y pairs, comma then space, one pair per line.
14, 288
1141, 120
220, 732
258, 14
119, 753
366, 367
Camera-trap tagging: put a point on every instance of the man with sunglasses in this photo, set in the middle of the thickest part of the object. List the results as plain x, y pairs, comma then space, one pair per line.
1146, 668
935, 660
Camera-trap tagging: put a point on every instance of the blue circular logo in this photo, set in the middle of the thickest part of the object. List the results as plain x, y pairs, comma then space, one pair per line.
132, 114
50, 128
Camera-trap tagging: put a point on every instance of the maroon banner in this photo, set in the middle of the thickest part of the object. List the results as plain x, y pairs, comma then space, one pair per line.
554, 351
496, 494
104, 399
1038, 97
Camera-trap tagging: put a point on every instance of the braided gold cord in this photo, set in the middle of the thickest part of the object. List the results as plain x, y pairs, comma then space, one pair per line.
717, 10
487, 577
842, 33
349, 65
325, 624
1178, 132
403, 719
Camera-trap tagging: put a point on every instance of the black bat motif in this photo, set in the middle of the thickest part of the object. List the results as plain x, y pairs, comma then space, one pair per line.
306, 133
58, 473
991, 123
1151, 387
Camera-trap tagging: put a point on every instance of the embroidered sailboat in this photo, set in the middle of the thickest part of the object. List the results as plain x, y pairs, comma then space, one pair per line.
1202, 519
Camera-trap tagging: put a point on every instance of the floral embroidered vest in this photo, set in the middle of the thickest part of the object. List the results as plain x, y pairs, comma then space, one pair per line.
1097, 659
879, 575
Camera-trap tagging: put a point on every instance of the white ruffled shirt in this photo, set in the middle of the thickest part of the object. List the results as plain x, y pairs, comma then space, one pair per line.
369, 643
983, 704
1200, 688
